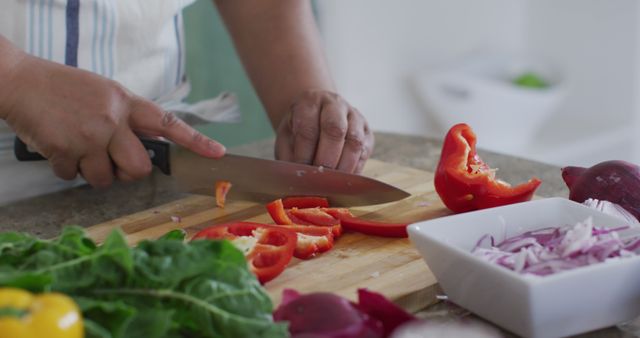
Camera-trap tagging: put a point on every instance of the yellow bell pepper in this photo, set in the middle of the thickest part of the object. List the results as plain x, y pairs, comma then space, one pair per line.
50, 315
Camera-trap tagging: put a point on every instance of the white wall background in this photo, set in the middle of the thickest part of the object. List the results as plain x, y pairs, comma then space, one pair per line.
375, 46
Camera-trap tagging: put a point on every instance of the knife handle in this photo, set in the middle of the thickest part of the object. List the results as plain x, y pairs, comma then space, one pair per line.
158, 153
22, 152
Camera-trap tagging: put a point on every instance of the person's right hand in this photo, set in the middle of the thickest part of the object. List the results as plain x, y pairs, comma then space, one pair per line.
84, 123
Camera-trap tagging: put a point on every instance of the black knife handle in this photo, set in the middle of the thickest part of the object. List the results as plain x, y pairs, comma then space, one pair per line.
22, 152
158, 153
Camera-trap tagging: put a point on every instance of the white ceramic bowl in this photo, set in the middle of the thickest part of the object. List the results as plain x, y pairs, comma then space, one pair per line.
557, 305
478, 90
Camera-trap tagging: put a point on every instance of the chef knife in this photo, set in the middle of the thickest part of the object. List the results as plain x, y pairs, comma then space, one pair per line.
254, 179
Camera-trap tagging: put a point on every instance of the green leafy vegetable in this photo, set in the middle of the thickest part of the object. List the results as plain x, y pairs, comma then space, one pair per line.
530, 80
161, 288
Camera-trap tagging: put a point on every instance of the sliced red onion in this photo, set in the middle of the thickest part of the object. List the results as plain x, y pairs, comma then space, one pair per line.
551, 250
612, 209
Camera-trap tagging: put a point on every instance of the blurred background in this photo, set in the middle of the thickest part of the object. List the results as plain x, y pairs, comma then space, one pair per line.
554, 81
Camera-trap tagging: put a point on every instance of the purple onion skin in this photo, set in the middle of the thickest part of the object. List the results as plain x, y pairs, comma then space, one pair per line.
328, 316
614, 181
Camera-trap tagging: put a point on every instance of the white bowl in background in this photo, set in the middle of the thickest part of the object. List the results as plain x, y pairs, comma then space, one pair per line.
562, 304
479, 91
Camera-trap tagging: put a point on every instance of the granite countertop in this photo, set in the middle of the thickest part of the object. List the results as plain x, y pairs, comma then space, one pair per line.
45, 215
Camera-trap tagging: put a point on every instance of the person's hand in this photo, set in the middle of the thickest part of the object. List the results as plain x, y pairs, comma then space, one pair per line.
84, 123
322, 129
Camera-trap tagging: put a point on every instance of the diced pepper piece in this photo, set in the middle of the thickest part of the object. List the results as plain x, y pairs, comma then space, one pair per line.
222, 188
278, 213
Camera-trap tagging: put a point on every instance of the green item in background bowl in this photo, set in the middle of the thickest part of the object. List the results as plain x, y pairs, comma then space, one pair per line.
530, 80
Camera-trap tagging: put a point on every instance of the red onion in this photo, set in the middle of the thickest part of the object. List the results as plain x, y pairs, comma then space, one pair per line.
614, 181
377, 306
612, 209
325, 315
550, 250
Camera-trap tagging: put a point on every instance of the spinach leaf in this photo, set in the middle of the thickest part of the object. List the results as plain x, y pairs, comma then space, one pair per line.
160, 288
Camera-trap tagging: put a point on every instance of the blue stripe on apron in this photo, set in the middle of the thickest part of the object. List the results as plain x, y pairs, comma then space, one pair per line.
41, 52
103, 37
94, 40
32, 4
73, 33
50, 32
111, 39
177, 25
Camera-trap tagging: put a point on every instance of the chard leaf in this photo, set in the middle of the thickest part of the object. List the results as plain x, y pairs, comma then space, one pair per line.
161, 288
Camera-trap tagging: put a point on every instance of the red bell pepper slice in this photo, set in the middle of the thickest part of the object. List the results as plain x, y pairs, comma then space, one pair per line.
464, 182
301, 202
311, 240
277, 212
270, 248
350, 222
222, 188
316, 216
294, 219
335, 218
309, 216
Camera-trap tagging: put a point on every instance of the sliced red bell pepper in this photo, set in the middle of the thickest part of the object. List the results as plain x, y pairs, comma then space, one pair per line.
309, 216
222, 188
336, 218
278, 213
311, 240
294, 219
317, 216
464, 182
305, 202
268, 249
350, 222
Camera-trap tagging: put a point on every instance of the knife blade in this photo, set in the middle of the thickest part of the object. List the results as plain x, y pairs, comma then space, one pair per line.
262, 181
255, 179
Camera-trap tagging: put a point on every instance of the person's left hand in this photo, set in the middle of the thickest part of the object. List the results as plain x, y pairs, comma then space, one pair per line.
322, 129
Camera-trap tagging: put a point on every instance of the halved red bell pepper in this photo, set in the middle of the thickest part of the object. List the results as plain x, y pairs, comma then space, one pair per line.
305, 202
268, 249
350, 222
222, 188
464, 182
311, 240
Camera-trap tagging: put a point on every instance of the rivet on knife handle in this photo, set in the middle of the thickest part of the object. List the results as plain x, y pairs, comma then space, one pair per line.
158, 153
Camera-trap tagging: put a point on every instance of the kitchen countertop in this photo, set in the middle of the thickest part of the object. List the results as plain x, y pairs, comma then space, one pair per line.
45, 215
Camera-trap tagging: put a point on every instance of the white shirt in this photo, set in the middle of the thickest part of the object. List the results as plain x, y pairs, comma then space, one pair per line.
138, 43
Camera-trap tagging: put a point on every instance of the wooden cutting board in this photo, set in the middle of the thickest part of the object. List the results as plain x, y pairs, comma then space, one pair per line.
387, 265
